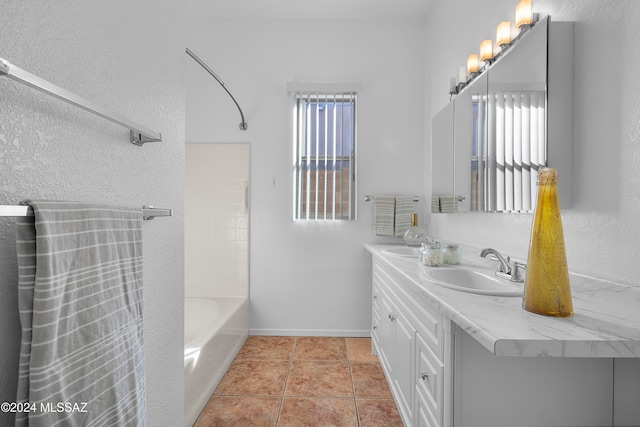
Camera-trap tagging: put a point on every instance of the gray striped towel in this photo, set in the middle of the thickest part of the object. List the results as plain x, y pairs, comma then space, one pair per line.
384, 215
404, 209
80, 301
448, 204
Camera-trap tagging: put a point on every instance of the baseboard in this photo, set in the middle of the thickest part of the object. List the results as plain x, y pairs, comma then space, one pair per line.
310, 333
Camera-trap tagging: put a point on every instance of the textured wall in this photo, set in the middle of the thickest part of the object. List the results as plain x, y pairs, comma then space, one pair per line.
116, 54
603, 227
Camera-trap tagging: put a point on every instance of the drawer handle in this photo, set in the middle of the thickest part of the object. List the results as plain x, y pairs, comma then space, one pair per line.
375, 297
375, 327
425, 376
392, 317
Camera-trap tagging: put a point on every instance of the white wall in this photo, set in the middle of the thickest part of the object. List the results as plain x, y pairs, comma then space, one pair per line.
602, 229
311, 278
216, 220
116, 54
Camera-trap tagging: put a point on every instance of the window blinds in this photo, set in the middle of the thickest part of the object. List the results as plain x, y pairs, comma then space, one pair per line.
324, 156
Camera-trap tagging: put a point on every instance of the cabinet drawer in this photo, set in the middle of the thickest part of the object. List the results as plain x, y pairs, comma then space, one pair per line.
429, 384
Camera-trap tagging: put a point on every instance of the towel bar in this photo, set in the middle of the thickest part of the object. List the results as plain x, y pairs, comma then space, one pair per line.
368, 198
148, 212
139, 134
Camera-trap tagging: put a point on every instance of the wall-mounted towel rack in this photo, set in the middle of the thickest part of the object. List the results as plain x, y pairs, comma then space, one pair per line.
148, 212
139, 134
368, 198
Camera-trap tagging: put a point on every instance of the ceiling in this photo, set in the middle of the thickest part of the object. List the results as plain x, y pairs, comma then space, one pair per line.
302, 9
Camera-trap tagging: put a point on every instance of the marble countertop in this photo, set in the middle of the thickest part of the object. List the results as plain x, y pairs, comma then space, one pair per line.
606, 321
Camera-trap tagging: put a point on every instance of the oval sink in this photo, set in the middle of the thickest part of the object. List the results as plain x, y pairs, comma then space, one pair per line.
467, 280
403, 251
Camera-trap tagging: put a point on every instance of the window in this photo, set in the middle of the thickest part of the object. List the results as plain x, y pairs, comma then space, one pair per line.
324, 156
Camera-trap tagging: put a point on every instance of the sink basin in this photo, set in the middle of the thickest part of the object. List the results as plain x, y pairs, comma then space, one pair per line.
477, 282
403, 251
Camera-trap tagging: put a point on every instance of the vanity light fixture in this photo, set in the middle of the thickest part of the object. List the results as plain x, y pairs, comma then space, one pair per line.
486, 50
525, 19
524, 16
472, 63
503, 34
457, 83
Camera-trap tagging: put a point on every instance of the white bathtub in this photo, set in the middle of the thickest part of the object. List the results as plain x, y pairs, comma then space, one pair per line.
215, 330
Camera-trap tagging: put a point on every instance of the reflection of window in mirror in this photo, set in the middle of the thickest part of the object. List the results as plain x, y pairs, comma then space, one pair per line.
515, 150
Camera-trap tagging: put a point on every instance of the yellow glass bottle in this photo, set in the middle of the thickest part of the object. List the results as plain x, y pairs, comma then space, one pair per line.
546, 288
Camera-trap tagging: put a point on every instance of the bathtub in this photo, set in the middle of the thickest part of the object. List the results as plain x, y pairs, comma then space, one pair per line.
215, 330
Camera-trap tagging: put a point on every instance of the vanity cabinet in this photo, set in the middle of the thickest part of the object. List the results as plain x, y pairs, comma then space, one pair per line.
408, 338
441, 375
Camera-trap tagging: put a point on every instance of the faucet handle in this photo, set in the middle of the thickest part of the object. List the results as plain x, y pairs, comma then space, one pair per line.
515, 272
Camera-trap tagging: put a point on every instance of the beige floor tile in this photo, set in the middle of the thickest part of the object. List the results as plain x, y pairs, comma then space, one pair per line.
359, 350
319, 379
256, 378
240, 411
318, 412
369, 380
267, 348
378, 413
320, 348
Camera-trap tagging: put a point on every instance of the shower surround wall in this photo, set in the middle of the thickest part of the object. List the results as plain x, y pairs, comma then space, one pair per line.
216, 266
115, 54
217, 220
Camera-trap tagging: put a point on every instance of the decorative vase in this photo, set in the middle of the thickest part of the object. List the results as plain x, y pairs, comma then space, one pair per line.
546, 287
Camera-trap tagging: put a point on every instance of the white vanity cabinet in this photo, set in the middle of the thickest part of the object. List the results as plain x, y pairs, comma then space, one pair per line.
408, 339
453, 359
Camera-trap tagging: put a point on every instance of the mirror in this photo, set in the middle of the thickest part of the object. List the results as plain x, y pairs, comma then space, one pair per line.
501, 135
442, 149
469, 142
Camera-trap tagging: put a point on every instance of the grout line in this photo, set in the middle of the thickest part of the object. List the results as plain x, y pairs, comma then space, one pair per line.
353, 386
286, 379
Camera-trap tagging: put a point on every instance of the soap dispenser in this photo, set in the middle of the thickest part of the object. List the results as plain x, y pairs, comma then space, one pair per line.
415, 235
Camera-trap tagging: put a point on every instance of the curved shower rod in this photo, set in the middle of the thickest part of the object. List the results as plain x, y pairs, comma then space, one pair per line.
243, 125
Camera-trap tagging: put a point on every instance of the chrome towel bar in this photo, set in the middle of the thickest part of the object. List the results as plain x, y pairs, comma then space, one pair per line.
148, 212
139, 134
368, 198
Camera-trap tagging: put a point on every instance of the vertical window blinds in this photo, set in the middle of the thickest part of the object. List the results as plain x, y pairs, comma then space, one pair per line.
324, 172
509, 149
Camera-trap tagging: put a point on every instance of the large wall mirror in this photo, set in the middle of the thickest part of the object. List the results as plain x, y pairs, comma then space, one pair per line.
513, 119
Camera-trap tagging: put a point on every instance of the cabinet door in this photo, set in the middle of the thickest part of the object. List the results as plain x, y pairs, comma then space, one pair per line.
385, 333
375, 318
402, 363
429, 385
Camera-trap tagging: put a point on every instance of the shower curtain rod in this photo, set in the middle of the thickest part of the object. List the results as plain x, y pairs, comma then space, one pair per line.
243, 125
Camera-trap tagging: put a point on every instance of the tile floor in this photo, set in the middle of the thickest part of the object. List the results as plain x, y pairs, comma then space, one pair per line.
302, 381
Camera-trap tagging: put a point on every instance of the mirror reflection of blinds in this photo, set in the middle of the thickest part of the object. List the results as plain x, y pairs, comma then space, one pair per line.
511, 151
324, 156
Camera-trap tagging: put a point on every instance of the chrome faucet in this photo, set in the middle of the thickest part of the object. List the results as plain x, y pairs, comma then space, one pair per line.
505, 271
